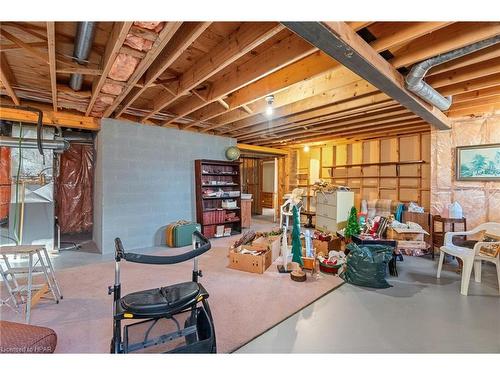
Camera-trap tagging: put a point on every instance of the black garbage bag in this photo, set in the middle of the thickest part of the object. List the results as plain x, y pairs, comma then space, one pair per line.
366, 265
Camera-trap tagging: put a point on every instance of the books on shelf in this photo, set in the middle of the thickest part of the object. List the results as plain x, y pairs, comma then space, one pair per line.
218, 216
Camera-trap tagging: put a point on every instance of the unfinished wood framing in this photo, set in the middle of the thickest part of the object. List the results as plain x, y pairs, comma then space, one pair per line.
213, 77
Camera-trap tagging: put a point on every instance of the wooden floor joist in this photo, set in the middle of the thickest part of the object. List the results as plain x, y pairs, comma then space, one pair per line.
340, 42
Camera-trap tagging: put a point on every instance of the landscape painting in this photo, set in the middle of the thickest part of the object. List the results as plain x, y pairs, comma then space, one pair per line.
481, 163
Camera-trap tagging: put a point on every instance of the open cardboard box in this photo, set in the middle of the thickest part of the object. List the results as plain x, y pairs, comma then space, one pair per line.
249, 262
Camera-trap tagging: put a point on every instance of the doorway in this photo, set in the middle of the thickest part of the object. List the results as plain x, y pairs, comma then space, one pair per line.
263, 176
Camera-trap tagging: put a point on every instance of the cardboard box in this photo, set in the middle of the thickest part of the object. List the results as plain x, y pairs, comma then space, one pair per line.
412, 245
273, 243
401, 234
326, 246
248, 262
308, 263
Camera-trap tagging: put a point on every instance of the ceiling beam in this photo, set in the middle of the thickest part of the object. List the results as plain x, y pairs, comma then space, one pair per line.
472, 58
341, 43
354, 90
318, 64
317, 115
71, 66
455, 36
396, 34
289, 51
373, 121
180, 42
115, 42
397, 126
240, 42
51, 44
279, 55
166, 34
475, 84
319, 124
466, 73
7, 79
262, 150
13, 46
50, 117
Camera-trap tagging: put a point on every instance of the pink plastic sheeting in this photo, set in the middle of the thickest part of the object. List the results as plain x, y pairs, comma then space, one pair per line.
75, 188
123, 67
480, 200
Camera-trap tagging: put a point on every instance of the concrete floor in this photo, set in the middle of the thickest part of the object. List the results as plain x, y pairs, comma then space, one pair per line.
419, 314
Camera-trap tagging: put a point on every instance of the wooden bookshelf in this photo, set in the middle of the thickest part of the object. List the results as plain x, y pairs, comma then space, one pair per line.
217, 181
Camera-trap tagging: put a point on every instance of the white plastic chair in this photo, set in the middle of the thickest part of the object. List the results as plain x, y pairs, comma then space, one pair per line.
470, 257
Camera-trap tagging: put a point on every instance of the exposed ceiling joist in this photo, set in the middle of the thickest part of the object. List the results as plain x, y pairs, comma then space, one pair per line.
261, 150
116, 39
348, 91
320, 124
315, 115
51, 44
166, 34
7, 79
50, 117
341, 43
454, 36
353, 124
279, 55
240, 42
316, 65
186, 35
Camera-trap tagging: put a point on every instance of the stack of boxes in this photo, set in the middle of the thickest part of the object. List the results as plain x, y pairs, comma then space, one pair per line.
410, 240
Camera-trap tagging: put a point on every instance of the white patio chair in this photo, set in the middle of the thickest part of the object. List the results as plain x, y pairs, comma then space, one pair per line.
470, 257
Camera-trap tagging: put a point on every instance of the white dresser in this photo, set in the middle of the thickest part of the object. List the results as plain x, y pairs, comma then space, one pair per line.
332, 210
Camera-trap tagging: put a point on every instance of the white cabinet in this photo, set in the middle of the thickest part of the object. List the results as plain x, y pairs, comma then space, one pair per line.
332, 210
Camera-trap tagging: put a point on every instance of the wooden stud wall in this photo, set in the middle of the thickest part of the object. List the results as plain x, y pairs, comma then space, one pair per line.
396, 168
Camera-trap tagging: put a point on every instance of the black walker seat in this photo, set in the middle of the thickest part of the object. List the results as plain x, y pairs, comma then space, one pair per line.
174, 318
163, 301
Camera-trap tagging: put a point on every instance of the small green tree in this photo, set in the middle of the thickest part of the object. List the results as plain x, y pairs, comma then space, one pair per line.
352, 224
296, 245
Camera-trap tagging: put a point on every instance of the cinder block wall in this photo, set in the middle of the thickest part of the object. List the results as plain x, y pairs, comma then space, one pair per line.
145, 179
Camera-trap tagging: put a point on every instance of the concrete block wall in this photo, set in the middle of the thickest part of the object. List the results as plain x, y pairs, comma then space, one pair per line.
145, 180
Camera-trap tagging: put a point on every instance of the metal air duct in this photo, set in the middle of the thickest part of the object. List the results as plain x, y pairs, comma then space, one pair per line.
48, 144
83, 43
414, 79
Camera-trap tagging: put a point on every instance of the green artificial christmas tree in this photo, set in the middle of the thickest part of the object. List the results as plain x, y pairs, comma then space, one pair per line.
296, 245
352, 224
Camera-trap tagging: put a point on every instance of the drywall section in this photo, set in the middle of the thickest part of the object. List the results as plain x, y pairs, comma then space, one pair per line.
480, 200
145, 180
268, 176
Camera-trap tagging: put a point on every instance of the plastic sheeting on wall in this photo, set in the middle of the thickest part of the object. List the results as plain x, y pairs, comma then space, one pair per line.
75, 189
4, 181
480, 200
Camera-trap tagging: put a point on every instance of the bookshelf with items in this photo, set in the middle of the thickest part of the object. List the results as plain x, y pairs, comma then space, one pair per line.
218, 197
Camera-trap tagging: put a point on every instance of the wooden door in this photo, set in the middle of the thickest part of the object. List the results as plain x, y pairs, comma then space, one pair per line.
251, 177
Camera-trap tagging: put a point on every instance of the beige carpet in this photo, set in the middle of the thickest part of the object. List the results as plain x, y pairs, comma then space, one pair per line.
244, 305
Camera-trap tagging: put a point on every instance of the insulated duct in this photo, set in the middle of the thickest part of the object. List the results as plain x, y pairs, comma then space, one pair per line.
414, 79
83, 43
48, 144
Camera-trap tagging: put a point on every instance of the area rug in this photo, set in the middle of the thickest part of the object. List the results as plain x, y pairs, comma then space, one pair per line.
244, 305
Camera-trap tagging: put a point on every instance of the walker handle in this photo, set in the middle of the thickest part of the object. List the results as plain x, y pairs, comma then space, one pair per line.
158, 259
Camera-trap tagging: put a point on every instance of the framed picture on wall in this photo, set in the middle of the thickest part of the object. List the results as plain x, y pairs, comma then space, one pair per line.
478, 163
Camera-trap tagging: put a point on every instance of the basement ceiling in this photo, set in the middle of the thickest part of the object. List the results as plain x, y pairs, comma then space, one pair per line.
213, 77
